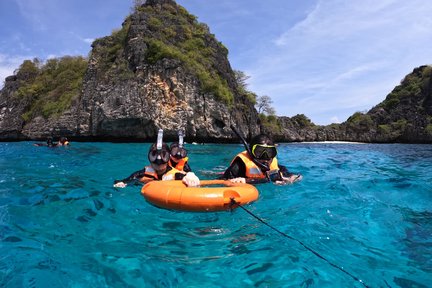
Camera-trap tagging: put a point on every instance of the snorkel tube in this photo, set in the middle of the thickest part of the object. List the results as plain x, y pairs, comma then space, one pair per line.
181, 135
259, 164
159, 140
159, 153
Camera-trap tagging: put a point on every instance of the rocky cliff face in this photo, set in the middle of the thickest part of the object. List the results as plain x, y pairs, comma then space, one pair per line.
405, 116
10, 124
162, 69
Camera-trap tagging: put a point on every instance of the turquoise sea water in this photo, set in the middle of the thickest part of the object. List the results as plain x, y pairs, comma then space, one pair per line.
366, 208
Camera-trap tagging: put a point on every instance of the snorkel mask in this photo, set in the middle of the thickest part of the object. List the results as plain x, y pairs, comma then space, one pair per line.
177, 150
159, 154
264, 151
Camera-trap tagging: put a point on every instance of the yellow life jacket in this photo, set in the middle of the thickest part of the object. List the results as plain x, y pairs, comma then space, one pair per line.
180, 164
252, 170
150, 174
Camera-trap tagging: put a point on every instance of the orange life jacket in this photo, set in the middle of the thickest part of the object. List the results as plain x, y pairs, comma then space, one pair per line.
252, 170
180, 164
150, 174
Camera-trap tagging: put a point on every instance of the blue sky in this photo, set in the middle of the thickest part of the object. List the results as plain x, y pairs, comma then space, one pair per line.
324, 58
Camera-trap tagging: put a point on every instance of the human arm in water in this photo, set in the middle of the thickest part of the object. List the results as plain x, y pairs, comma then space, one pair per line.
236, 173
288, 177
235, 170
133, 178
189, 178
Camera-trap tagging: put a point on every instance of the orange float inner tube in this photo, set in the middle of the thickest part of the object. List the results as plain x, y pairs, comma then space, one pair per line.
177, 196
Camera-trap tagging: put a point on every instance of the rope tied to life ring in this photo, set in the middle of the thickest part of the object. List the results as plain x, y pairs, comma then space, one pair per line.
237, 204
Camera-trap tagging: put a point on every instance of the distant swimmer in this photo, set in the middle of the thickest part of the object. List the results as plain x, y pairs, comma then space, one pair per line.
159, 156
51, 144
63, 142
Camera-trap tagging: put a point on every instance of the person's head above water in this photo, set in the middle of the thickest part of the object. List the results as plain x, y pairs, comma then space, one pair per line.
159, 156
159, 153
262, 147
49, 141
63, 141
177, 152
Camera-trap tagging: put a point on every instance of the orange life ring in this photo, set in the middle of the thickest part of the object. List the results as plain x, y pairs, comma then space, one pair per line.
175, 195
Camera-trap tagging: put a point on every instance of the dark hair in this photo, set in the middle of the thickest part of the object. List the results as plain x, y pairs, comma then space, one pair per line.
178, 152
174, 144
261, 139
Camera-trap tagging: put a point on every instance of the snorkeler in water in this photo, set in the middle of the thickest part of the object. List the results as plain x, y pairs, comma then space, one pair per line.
63, 142
178, 156
259, 164
49, 143
159, 156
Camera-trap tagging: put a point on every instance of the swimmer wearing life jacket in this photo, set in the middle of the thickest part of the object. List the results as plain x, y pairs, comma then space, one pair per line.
63, 142
49, 142
159, 156
258, 164
178, 157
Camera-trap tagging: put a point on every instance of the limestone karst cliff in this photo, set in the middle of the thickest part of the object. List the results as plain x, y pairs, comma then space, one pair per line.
405, 116
162, 69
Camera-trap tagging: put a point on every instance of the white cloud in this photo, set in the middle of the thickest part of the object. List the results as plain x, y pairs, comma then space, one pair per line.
48, 15
88, 40
335, 119
35, 12
344, 55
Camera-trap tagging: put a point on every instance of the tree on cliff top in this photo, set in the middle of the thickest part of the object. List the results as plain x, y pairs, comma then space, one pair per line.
263, 105
241, 80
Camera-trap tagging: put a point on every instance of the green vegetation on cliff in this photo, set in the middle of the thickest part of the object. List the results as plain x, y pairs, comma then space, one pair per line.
408, 106
241, 80
302, 121
360, 121
428, 129
49, 89
178, 35
404, 116
169, 32
270, 123
412, 87
109, 51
